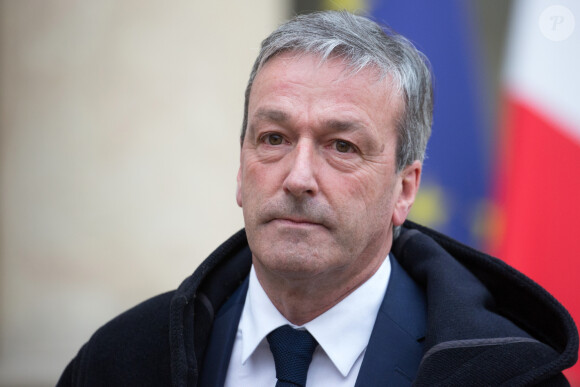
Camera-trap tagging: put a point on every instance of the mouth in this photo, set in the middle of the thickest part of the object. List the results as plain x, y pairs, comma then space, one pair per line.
296, 222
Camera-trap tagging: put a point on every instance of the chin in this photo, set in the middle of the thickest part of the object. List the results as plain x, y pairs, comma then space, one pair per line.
292, 260
292, 249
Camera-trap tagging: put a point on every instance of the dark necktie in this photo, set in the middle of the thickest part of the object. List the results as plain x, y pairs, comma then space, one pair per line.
292, 350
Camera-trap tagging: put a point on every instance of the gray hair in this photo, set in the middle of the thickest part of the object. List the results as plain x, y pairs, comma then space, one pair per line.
362, 43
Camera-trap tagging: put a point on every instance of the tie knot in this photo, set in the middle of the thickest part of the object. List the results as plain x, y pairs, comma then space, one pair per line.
292, 350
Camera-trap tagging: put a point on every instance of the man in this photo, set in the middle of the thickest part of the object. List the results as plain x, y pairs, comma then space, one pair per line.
327, 286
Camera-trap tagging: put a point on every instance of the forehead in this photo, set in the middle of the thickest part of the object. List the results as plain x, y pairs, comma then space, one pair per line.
331, 69
304, 82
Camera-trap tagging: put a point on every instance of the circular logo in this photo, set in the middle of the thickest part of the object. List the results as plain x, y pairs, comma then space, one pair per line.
557, 23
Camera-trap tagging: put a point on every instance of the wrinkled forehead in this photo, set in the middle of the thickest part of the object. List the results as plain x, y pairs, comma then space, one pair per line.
338, 56
294, 88
375, 74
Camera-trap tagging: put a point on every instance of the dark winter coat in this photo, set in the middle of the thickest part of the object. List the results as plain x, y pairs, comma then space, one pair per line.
486, 323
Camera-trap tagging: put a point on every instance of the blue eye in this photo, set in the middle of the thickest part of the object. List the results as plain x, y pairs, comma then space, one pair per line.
343, 146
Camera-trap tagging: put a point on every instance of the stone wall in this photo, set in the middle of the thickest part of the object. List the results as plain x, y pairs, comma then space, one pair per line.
119, 125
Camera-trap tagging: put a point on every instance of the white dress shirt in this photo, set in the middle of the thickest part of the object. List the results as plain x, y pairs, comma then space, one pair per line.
342, 333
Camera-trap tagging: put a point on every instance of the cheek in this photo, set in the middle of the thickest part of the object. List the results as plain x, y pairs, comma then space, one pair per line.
367, 199
258, 180
367, 188
350, 198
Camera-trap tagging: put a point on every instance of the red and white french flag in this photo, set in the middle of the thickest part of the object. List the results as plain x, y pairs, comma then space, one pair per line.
538, 190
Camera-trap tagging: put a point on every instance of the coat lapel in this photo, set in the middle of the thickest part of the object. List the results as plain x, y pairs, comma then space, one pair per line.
396, 345
222, 337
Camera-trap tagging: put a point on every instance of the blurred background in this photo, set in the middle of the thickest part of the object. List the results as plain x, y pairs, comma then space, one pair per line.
119, 124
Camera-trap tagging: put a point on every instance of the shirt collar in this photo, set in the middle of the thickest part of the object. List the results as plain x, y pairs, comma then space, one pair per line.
259, 317
352, 320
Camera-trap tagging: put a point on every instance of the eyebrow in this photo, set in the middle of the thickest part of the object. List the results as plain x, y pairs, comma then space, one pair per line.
344, 126
280, 116
272, 115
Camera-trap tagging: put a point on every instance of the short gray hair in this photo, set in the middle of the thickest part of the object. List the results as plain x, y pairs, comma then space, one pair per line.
362, 43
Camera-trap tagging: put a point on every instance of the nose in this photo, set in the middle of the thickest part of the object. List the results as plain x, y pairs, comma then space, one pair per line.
302, 176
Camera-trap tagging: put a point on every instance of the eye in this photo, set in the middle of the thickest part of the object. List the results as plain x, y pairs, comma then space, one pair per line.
343, 146
273, 139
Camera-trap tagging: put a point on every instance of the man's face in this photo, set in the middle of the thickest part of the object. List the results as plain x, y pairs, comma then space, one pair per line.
317, 179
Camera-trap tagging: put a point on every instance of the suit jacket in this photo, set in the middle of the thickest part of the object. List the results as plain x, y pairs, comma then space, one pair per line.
395, 347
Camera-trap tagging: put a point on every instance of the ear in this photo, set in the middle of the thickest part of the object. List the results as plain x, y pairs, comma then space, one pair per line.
410, 178
239, 187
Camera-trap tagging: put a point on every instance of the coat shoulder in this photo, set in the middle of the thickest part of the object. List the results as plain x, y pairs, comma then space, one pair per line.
132, 349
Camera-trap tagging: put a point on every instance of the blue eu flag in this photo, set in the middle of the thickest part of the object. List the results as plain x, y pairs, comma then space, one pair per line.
455, 181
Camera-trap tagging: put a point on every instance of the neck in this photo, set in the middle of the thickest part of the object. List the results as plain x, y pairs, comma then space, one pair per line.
301, 298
